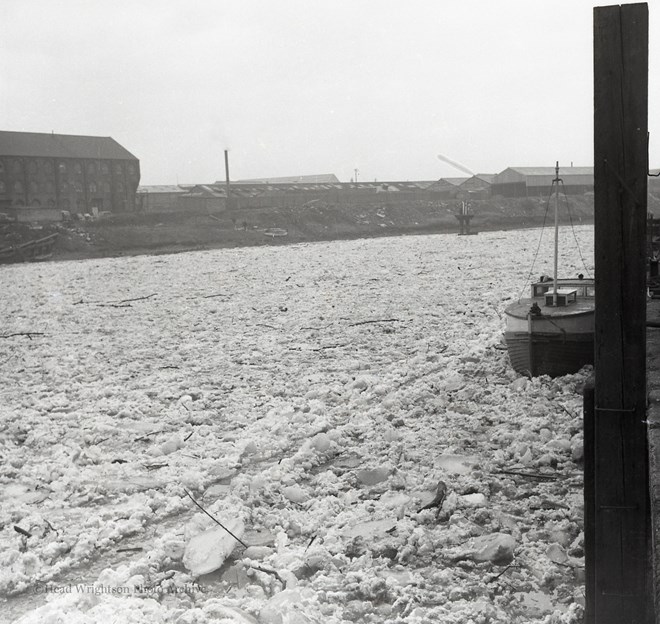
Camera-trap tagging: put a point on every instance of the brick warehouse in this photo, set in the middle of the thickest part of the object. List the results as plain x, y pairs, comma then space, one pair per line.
47, 173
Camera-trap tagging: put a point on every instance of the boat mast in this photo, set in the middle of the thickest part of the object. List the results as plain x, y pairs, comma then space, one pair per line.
554, 296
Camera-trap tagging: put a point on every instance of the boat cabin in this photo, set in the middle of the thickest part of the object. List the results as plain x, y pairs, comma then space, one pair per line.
565, 296
568, 291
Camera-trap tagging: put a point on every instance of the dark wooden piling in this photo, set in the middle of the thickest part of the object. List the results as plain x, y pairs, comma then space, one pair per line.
589, 498
619, 548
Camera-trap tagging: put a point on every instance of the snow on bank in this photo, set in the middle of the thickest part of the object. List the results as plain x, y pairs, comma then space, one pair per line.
314, 396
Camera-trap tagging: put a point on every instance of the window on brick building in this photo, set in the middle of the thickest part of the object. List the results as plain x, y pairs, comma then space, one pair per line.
91, 168
17, 166
92, 187
77, 168
2, 166
62, 167
3, 188
32, 167
18, 187
104, 168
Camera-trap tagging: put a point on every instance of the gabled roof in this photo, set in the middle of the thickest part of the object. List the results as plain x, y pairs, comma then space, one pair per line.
453, 181
542, 171
446, 183
61, 146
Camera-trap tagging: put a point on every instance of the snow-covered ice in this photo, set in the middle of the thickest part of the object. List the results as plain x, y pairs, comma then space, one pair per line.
311, 396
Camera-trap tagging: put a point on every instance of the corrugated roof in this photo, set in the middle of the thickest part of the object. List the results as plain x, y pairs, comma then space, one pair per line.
161, 188
454, 181
323, 178
61, 146
542, 171
486, 177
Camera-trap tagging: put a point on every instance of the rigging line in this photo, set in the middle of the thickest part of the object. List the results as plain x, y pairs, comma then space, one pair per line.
538, 247
570, 218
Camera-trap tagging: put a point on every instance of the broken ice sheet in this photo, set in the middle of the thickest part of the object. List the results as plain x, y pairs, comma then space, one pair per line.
207, 551
457, 464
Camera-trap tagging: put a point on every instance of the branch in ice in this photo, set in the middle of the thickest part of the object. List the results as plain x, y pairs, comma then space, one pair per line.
375, 321
22, 531
439, 498
335, 346
28, 334
124, 303
275, 573
529, 475
146, 435
240, 541
571, 414
310, 542
138, 298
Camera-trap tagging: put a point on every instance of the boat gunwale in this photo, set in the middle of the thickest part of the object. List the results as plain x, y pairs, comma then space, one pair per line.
563, 312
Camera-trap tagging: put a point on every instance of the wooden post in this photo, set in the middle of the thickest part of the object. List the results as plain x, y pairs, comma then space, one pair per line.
621, 541
589, 498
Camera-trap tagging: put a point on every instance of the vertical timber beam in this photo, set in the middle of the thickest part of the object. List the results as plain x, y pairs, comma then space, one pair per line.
621, 540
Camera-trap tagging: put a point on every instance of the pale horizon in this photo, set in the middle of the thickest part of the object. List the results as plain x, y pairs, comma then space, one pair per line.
297, 88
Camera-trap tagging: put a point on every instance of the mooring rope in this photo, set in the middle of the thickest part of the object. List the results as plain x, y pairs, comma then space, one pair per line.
536, 255
570, 218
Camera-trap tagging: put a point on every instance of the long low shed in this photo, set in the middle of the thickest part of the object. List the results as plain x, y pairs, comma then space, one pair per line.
534, 181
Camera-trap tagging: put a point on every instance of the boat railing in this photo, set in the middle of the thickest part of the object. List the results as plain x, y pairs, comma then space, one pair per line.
584, 287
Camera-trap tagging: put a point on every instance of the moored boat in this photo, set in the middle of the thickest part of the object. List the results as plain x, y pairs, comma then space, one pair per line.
552, 331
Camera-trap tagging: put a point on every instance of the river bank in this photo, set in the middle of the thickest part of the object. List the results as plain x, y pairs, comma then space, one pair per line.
176, 232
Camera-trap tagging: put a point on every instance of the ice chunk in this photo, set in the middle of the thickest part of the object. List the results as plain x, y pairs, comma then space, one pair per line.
497, 548
321, 442
371, 529
295, 494
373, 477
474, 500
207, 551
556, 554
458, 464
284, 607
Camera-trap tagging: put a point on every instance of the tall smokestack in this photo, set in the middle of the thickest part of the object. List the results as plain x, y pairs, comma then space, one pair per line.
227, 177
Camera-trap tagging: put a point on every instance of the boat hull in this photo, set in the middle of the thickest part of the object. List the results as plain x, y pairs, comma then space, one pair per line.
553, 354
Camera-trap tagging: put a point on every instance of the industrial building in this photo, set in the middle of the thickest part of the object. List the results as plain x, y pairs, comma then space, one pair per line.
537, 181
43, 174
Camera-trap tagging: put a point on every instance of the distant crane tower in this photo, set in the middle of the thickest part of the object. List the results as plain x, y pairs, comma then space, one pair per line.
464, 215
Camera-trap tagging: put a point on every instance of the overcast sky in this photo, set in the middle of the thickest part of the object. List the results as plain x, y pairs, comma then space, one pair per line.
301, 87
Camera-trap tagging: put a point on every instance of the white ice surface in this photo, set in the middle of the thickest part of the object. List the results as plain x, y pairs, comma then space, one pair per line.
259, 382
